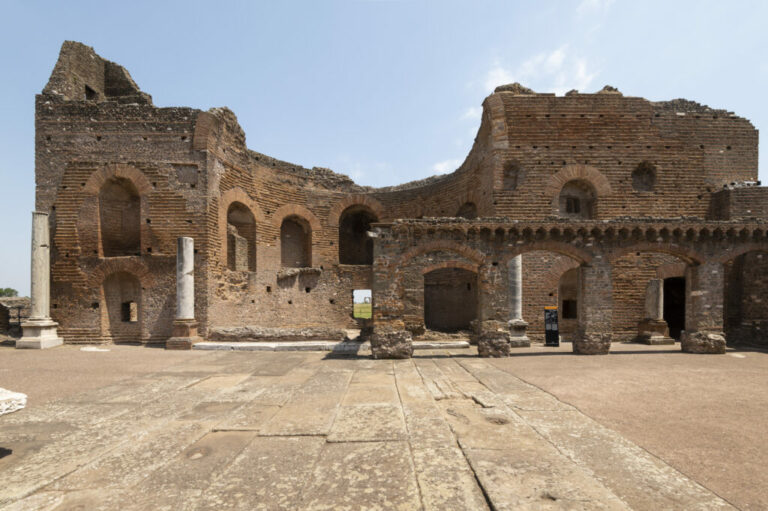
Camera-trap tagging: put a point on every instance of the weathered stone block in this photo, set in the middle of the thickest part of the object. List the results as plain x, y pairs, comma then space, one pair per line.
392, 344
493, 344
592, 343
654, 331
703, 342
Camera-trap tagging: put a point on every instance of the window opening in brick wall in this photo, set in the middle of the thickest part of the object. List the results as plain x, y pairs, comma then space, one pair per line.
644, 177
90, 94
362, 303
570, 309
578, 200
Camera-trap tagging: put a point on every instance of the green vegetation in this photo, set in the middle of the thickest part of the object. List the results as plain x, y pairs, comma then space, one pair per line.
8, 291
362, 310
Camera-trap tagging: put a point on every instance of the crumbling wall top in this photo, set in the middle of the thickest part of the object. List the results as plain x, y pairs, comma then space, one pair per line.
82, 75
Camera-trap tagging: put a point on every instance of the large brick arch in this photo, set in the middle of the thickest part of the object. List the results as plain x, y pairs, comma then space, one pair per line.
471, 254
578, 254
450, 264
685, 254
581, 172
744, 249
132, 266
121, 170
376, 207
287, 210
225, 201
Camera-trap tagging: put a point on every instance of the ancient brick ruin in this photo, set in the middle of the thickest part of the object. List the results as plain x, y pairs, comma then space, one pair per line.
638, 219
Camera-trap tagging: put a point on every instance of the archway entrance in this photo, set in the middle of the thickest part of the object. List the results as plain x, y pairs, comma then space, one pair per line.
674, 305
450, 299
355, 247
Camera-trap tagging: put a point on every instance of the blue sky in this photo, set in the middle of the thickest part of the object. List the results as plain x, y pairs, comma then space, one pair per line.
384, 91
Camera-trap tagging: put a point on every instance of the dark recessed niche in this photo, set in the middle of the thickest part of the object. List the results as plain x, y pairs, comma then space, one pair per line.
269, 289
253, 301
149, 250
644, 177
495, 263
290, 302
95, 305
728, 148
98, 138
48, 138
307, 289
183, 137
149, 221
331, 301
144, 139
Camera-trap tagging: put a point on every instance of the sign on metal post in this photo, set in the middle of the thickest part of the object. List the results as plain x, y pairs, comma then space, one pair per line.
551, 332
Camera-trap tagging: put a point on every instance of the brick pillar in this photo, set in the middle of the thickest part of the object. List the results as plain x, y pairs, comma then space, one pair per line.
653, 329
595, 308
389, 338
704, 289
491, 332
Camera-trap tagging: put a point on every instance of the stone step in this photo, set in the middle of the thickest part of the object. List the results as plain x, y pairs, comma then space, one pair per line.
334, 346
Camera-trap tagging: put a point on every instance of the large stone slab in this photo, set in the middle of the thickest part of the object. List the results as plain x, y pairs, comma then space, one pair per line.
271, 473
446, 480
363, 475
632, 473
311, 409
368, 423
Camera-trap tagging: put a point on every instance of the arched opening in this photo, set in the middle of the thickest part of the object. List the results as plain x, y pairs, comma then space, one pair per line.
636, 298
746, 307
241, 238
467, 210
295, 243
355, 247
119, 218
549, 279
450, 299
674, 305
123, 309
578, 200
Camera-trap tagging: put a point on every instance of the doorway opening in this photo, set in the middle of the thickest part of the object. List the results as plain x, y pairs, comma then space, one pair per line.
450, 299
674, 305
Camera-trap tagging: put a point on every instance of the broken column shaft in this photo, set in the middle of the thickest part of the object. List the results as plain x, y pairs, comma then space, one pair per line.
184, 326
517, 325
653, 329
40, 330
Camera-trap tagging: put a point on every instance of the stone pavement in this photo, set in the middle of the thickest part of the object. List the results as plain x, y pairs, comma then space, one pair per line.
306, 430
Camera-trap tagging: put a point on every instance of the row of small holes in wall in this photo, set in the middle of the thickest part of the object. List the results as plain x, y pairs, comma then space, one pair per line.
588, 116
573, 147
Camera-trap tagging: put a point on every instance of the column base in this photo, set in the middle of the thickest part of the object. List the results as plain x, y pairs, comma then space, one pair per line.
592, 343
184, 335
654, 331
517, 335
39, 334
703, 342
494, 344
391, 344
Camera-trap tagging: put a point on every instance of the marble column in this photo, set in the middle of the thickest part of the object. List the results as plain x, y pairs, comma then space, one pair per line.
184, 326
517, 326
653, 329
40, 330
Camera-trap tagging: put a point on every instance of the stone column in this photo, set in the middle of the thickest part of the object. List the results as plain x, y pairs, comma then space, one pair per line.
704, 288
40, 330
185, 326
595, 308
516, 323
653, 329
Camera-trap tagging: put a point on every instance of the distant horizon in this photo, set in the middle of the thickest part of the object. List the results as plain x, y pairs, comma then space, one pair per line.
385, 92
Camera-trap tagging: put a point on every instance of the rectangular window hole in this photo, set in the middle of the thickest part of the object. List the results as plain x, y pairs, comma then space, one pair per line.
362, 303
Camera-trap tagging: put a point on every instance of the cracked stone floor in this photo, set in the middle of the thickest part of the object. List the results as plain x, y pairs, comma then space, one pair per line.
140, 428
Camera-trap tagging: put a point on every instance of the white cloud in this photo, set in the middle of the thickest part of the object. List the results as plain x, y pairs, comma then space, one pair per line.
472, 113
559, 71
587, 7
443, 167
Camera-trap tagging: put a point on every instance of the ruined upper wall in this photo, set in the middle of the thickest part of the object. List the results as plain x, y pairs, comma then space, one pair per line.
80, 74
